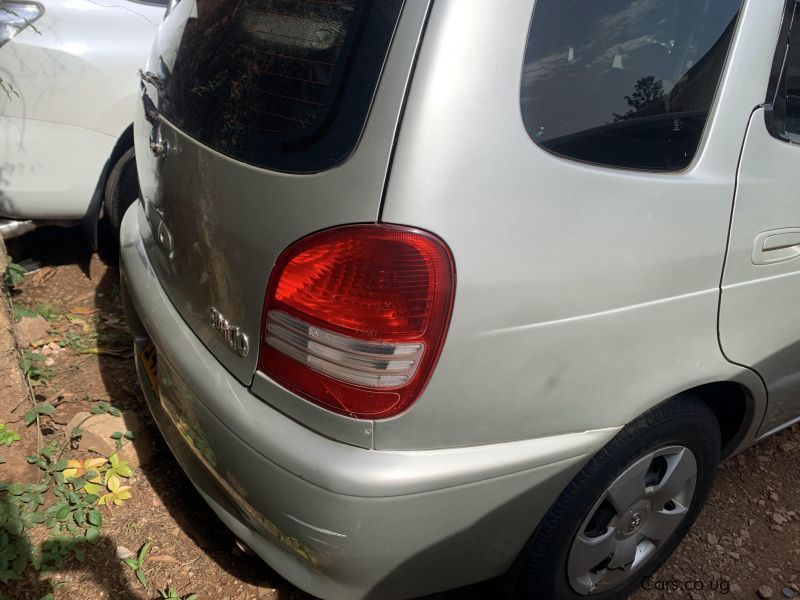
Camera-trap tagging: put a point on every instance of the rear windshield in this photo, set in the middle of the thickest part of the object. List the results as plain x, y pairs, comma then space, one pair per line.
624, 83
281, 84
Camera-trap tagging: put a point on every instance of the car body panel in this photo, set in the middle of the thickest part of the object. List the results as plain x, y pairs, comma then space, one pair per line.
38, 179
223, 261
582, 310
333, 518
74, 78
759, 301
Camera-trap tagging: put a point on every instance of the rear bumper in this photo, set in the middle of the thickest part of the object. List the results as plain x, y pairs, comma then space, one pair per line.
336, 520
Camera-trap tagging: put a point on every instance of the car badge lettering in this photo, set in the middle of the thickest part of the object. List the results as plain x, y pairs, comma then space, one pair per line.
233, 336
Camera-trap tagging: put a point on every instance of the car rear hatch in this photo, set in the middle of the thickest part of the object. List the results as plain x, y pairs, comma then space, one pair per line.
263, 121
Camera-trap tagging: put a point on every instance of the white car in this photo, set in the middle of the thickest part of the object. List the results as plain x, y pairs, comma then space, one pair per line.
68, 88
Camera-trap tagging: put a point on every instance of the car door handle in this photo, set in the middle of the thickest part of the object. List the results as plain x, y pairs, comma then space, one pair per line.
781, 241
777, 245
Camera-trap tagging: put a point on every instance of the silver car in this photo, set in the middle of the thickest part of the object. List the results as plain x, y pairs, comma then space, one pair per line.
426, 293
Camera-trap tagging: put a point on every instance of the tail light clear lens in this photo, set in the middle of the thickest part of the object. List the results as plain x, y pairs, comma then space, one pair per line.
355, 317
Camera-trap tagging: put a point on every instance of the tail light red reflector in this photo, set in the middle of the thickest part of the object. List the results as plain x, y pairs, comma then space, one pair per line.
355, 317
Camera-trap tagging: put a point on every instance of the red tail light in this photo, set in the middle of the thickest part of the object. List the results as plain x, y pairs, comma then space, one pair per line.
355, 317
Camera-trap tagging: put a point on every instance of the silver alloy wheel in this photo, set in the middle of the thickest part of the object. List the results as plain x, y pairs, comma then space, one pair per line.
633, 517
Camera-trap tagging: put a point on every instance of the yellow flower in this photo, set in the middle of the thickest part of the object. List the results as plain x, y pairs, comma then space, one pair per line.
76, 468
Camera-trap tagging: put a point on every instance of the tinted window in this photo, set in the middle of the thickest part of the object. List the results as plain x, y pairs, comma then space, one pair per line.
791, 90
624, 83
283, 84
784, 119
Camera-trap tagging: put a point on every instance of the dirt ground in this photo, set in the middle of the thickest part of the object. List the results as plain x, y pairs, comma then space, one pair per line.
748, 536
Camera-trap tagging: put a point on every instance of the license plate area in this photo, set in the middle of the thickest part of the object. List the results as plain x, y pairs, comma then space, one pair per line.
148, 356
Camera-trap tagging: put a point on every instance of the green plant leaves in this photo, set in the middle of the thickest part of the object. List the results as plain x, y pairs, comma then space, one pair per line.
33, 373
14, 273
93, 534
39, 409
78, 483
137, 564
34, 517
120, 467
95, 517
15, 489
103, 407
119, 436
14, 525
7, 437
21, 311
145, 550
93, 489
77, 487
172, 594
61, 465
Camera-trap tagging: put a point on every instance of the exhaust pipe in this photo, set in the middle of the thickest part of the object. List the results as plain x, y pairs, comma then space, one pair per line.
11, 229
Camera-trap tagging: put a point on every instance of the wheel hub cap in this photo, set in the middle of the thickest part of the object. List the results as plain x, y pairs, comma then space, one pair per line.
634, 523
635, 515
634, 518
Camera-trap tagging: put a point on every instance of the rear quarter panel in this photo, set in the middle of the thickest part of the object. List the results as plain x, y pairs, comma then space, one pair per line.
585, 295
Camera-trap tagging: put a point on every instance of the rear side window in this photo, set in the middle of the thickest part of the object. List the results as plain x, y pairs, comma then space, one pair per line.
791, 91
281, 84
783, 120
624, 83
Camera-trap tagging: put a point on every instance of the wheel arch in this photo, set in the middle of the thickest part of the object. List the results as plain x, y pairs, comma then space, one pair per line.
738, 404
738, 398
89, 223
736, 408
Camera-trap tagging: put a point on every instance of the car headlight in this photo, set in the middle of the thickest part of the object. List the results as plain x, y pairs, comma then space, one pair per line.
16, 16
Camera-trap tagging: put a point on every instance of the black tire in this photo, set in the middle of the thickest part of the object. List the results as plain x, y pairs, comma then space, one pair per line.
541, 570
122, 190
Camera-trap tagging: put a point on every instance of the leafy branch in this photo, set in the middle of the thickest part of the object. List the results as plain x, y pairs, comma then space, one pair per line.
137, 564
